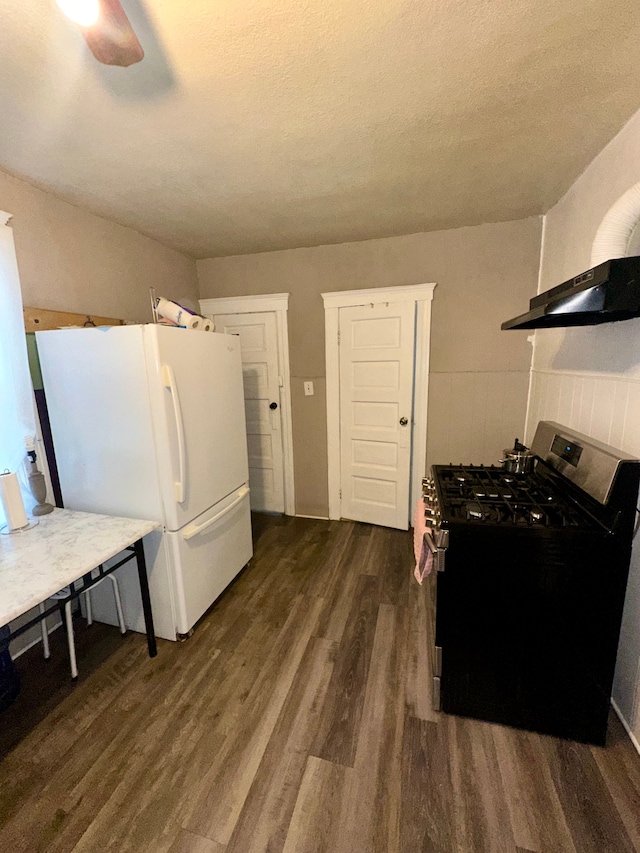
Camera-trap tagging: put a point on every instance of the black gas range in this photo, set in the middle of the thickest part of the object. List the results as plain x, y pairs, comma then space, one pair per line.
528, 592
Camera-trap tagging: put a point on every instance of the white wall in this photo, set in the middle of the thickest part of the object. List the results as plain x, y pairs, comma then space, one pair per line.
589, 378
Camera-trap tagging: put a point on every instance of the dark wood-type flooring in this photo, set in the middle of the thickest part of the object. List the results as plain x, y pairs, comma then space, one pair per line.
297, 719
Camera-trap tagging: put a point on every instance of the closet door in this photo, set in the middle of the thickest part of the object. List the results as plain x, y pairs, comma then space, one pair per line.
376, 409
262, 381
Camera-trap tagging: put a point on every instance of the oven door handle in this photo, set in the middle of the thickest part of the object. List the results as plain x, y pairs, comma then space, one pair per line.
431, 545
438, 553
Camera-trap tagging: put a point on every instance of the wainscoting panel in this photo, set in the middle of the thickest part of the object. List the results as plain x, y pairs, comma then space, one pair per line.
604, 406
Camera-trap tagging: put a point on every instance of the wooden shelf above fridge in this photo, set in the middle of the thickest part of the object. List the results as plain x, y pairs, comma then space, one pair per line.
41, 319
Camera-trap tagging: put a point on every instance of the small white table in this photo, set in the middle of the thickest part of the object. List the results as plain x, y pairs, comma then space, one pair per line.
67, 546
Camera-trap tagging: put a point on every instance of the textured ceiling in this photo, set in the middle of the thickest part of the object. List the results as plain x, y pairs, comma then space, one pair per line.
271, 124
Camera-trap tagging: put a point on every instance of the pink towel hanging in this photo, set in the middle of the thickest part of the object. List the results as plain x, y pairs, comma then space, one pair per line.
423, 555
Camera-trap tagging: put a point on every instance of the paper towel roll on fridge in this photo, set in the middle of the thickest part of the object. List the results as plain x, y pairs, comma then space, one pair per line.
179, 315
207, 325
11, 500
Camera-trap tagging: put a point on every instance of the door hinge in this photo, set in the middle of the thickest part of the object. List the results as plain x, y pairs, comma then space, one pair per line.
340, 494
436, 696
338, 337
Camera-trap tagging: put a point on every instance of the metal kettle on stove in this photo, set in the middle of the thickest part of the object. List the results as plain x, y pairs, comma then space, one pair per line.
519, 460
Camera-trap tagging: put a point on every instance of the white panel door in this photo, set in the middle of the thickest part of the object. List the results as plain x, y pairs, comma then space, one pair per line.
376, 404
259, 342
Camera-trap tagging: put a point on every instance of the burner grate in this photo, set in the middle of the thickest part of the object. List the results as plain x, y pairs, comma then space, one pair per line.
490, 495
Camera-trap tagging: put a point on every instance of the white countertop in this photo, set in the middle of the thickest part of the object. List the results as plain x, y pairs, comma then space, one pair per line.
63, 547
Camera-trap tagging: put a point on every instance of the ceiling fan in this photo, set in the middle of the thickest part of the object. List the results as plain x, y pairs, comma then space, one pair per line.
106, 29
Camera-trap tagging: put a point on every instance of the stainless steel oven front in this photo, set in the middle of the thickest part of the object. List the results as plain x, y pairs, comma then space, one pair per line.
436, 539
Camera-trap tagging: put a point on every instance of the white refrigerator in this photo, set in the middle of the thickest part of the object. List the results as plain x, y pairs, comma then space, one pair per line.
148, 422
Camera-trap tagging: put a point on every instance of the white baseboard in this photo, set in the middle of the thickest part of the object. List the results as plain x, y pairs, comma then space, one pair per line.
627, 727
315, 517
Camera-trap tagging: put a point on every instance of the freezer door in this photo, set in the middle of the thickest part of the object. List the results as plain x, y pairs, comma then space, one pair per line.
207, 554
197, 400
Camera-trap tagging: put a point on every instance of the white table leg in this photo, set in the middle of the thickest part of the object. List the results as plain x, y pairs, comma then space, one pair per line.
70, 640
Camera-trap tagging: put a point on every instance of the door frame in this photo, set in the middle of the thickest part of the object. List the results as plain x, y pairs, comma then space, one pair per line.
422, 296
278, 304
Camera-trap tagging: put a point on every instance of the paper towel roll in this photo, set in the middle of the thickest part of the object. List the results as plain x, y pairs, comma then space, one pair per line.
207, 325
181, 316
11, 500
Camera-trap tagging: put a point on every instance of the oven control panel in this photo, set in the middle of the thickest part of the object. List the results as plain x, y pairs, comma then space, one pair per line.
567, 450
589, 464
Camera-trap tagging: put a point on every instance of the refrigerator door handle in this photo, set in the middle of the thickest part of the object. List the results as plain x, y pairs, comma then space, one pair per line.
169, 382
194, 529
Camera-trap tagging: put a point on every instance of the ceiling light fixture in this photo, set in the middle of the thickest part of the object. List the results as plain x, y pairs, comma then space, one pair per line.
83, 12
106, 29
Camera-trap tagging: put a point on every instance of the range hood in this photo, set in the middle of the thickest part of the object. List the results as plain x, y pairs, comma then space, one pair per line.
608, 292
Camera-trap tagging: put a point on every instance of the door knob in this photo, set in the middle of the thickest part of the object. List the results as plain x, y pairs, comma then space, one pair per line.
403, 421
273, 405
